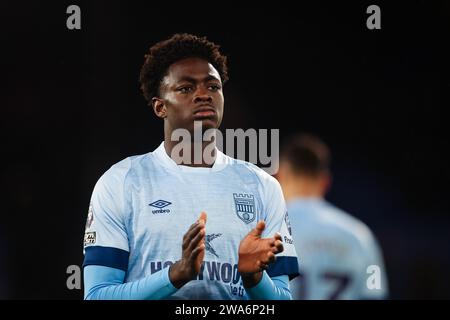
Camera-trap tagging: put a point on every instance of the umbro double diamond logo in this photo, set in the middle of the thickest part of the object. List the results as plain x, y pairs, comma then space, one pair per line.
160, 204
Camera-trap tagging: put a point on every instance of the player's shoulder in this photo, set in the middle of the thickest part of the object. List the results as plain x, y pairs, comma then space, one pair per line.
245, 168
348, 224
119, 171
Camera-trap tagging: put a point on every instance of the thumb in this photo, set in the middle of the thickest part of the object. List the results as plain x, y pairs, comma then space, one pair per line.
257, 232
202, 217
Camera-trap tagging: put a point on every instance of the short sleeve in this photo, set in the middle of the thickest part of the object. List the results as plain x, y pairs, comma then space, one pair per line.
277, 220
105, 238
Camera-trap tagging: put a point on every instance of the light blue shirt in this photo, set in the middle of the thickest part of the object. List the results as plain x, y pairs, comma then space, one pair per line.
335, 251
142, 206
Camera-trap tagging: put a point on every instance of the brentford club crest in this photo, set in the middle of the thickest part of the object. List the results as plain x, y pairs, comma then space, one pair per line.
245, 206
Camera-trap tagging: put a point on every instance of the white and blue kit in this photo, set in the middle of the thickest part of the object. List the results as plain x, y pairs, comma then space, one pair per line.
142, 206
339, 255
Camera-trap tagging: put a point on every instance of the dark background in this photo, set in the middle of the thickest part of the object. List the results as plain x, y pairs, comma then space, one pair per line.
71, 107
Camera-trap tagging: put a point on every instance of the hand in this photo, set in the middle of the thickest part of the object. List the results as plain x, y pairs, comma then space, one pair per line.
255, 254
186, 269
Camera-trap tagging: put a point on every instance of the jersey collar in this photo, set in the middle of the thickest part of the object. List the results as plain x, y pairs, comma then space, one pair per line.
219, 164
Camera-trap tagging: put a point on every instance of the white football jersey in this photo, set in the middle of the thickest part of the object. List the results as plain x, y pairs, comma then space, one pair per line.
142, 206
339, 256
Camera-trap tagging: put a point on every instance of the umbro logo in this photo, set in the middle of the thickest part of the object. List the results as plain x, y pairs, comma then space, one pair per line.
160, 204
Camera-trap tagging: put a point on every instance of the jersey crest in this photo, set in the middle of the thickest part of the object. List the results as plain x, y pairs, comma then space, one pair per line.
245, 206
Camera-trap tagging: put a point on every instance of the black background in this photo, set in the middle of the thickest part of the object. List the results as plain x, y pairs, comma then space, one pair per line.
71, 107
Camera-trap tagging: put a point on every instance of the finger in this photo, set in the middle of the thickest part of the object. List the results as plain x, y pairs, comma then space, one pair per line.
261, 265
203, 217
197, 251
279, 246
196, 240
191, 234
271, 257
277, 236
195, 224
257, 232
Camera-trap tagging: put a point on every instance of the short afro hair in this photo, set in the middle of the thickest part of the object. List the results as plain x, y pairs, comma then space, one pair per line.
178, 47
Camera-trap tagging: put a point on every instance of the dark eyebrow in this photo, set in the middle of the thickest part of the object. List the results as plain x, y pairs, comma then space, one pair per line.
192, 80
210, 77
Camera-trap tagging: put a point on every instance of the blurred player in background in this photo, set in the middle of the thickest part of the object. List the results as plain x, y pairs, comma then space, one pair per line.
231, 213
338, 253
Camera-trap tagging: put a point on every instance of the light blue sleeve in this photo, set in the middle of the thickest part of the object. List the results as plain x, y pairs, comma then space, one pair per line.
109, 210
276, 288
106, 283
277, 220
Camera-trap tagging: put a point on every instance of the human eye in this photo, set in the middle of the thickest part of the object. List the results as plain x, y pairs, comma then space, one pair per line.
185, 89
214, 87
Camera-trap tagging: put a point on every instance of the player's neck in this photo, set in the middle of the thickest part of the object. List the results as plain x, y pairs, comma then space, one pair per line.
301, 189
190, 153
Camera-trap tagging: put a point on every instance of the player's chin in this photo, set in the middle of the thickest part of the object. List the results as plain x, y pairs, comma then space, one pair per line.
208, 122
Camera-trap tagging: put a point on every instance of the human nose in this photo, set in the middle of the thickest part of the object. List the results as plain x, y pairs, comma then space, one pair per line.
202, 95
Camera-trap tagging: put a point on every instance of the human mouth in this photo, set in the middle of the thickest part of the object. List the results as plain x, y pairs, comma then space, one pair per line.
206, 111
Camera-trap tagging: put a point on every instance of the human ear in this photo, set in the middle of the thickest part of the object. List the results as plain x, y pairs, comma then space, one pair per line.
159, 107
